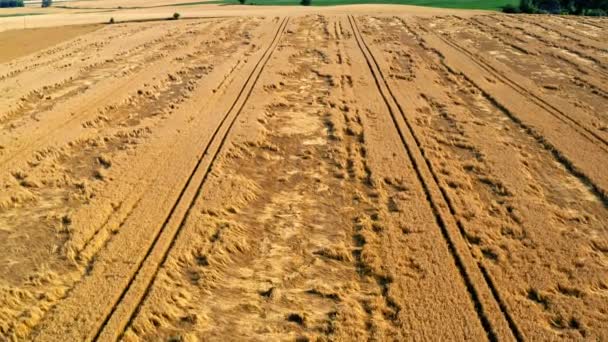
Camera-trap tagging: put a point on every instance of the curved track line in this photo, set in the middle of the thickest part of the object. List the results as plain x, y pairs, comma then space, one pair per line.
551, 109
139, 285
493, 325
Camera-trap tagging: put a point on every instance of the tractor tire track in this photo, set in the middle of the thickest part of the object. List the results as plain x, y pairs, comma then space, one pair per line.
577, 164
579, 127
475, 152
151, 258
491, 310
135, 293
117, 190
541, 100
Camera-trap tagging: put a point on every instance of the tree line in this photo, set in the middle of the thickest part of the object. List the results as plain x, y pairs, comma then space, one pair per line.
575, 7
19, 3
11, 3
302, 2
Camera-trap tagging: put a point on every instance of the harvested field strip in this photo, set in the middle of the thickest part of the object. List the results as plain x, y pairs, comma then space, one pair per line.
136, 291
596, 141
579, 61
585, 61
83, 191
39, 101
152, 106
497, 325
101, 99
577, 125
126, 55
141, 108
455, 132
552, 29
39, 38
290, 234
581, 23
565, 79
117, 314
76, 47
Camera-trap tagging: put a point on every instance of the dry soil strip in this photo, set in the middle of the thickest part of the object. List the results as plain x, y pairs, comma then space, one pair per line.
491, 310
128, 305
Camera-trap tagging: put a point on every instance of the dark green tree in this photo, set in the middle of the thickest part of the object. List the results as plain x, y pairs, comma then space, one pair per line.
509, 8
527, 6
550, 6
578, 7
11, 3
47, 3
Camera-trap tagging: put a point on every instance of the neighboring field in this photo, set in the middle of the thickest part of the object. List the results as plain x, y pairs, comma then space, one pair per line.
298, 176
6, 15
462, 4
17, 43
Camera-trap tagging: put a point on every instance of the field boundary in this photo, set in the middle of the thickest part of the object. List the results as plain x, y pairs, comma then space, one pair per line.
130, 21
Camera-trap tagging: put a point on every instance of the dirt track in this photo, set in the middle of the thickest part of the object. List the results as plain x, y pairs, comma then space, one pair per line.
308, 177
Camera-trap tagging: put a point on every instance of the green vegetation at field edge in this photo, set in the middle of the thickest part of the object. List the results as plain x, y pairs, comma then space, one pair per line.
459, 4
194, 3
19, 15
11, 3
574, 7
142, 7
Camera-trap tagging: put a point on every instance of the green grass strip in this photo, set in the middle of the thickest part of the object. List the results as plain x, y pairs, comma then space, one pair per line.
458, 4
19, 14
